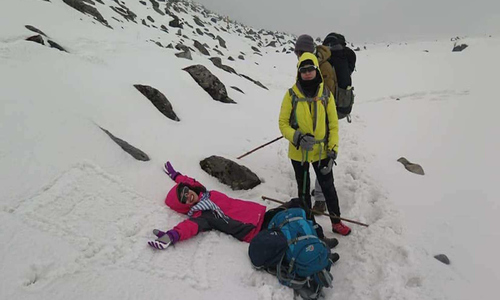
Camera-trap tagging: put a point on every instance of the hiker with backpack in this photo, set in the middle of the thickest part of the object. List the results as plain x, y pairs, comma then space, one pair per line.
343, 60
209, 210
308, 120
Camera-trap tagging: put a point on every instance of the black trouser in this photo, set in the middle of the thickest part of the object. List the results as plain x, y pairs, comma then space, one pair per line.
325, 181
294, 203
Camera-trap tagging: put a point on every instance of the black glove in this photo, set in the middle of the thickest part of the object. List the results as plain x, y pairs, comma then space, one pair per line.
332, 154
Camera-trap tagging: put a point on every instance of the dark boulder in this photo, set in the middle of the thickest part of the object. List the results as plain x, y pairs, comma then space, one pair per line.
156, 7
443, 258
185, 54
87, 9
150, 19
34, 29
209, 82
254, 81
159, 100
199, 31
230, 58
237, 89
217, 61
255, 49
222, 42
459, 48
133, 151
56, 46
218, 52
198, 21
236, 176
176, 22
201, 48
37, 39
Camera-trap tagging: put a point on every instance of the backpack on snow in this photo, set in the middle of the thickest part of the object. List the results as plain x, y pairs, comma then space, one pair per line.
290, 249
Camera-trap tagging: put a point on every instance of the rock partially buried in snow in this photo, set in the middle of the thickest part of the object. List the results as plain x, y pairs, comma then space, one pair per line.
230, 173
209, 82
442, 258
133, 151
459, 48
414, 168
159, 100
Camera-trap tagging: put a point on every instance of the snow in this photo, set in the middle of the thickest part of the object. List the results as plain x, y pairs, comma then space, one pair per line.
76, 211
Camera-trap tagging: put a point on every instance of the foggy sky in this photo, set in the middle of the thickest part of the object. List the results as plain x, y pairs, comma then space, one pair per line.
367, 20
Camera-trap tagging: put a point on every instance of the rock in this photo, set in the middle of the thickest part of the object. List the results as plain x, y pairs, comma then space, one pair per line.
159, 101
414, 168
459, 48
144, 23
37, 39
56, 46
200, 47
164, 28
170, 46
241, 57
255, 49
156, 7
183, 48
176, 22
218, 52
184, 54
150, 19
271, 44
254, 81
236, 176
126, 13
222, 42
209, 82
442, 258
143, 3
133, 151
230, 58
34, 29
217, 61
87, 9
199, 31
210, 35
237, 89
198, 21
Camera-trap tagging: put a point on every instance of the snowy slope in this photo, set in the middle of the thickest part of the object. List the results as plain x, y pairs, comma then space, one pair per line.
77, 211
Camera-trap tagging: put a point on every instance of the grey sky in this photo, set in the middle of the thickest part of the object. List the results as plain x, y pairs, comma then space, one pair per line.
367, 20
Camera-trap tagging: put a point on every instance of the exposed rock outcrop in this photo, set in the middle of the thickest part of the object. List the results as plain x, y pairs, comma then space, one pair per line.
159, 101
236, 176
209, 82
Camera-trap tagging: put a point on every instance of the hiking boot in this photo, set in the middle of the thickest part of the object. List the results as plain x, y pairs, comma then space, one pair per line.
334, 257
340, 228
319, 207
331, 243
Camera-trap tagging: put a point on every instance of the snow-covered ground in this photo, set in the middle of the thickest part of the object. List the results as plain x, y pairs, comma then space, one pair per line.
76, 211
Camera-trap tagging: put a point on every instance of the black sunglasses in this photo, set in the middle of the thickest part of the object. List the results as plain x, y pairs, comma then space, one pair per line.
307, 69
184, 195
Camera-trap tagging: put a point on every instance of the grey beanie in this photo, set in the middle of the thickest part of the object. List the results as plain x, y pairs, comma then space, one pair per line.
305, 43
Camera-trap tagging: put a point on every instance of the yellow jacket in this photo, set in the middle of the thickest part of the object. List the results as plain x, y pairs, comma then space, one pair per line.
305, 117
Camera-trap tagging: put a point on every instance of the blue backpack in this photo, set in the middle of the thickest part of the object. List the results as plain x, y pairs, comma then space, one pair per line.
291, 245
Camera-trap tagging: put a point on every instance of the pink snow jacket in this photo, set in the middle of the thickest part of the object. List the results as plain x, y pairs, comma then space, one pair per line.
244, 217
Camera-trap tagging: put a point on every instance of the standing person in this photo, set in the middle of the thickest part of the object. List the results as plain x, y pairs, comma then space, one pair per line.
308, 120
305, 43
343, 60
209, 210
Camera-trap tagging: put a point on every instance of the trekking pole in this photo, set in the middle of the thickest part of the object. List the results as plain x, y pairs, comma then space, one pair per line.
262, 146
325, 214
304, 186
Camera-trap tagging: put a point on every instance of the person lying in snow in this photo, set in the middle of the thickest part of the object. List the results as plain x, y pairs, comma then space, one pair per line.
209, 210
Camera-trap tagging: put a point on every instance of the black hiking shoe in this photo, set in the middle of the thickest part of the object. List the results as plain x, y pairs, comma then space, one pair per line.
331, 243
334, 257
319, 207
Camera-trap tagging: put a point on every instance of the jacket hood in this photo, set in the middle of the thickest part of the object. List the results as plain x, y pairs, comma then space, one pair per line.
323, 53
307, 56
173, 202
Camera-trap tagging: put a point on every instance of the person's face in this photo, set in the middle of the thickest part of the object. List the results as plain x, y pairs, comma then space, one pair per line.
307, 72
189, 196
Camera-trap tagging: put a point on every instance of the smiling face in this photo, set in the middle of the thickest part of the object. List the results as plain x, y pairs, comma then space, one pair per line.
188, 196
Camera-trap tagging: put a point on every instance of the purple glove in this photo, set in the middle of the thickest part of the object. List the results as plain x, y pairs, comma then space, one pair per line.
164, 239
171, 172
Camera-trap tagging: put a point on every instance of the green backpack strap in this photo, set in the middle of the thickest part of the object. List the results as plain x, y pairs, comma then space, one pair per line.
293, 116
